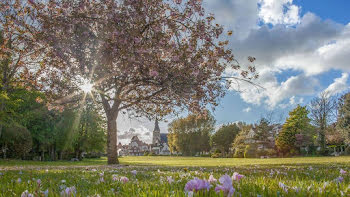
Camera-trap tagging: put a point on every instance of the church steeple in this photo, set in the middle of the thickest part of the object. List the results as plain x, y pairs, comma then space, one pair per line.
156, 133
156, 126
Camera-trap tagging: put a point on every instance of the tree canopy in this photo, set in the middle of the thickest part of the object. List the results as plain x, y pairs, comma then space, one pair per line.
151, 57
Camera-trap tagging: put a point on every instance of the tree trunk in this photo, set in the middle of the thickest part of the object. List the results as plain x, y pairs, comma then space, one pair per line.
112, 152
4, 149
2, 107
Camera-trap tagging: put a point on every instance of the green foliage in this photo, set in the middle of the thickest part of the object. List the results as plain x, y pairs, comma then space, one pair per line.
224, 137
52, 134
250, 151
191, 135
16, 140
239, 144
343, 121
297, 122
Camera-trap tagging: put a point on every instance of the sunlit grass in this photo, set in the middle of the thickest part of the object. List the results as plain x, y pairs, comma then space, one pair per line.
307, 176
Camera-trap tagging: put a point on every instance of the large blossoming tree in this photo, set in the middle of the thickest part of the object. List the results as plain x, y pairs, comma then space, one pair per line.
152, 57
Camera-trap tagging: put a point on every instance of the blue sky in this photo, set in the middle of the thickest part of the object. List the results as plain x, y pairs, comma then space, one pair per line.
336, 10
302, 48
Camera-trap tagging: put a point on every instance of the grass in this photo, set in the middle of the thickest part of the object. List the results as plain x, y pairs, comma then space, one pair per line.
310, 176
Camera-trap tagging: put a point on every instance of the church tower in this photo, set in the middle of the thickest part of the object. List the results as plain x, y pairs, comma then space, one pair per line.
156, 134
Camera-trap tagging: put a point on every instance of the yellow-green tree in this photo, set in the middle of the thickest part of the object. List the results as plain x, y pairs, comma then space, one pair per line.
297, 122
191, 135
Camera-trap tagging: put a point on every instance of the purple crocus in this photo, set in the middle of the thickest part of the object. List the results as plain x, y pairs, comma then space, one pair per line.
124, 179
283, 186
226, 186
115, 177
212, 179
69, 191
339, 179
170, 179
236, 176
342, 171
134, 172
26, 194
197, 184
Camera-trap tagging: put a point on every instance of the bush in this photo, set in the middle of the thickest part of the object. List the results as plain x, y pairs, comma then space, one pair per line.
18, 140
216, 155
217, 151
250, 151
271, 153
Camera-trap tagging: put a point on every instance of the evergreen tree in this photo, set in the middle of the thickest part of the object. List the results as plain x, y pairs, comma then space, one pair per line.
298, 122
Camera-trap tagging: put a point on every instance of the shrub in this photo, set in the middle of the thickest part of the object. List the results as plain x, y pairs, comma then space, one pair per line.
17, 139
216, 155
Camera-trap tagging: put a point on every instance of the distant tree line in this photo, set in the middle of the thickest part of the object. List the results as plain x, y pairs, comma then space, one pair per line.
321, 128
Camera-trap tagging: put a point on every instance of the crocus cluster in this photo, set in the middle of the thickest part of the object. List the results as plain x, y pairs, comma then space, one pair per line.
283, 186
26, 194
226, 186
69, 191
197, 184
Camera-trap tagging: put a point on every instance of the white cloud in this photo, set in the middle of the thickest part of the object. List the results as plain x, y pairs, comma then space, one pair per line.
238, 15
279, 12
248, 109
275, 92
339, 85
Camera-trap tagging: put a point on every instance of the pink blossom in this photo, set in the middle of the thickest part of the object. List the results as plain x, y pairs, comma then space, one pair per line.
124, 179
197, 184
38, 182
212, 179
31, 2
226, 186
236, 176
153, 73
178, 1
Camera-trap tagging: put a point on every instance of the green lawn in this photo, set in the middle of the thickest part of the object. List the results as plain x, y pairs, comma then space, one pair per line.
167, 176
232, 162
186, 162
